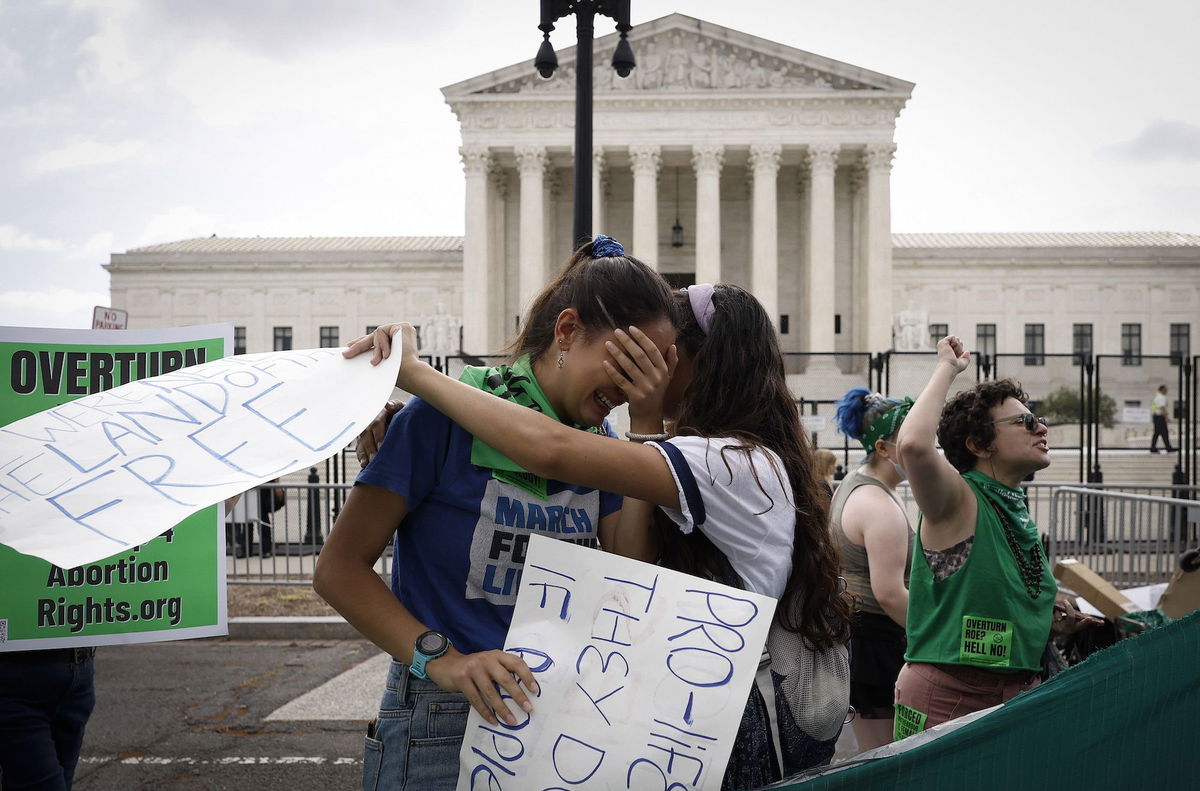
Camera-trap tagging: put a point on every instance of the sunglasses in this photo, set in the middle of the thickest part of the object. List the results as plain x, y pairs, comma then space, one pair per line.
1027, 419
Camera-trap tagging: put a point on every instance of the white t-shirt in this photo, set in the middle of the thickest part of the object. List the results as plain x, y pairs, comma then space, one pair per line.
1160, 404
751, 521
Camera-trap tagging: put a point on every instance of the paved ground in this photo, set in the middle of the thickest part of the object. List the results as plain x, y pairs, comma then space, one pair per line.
230, 714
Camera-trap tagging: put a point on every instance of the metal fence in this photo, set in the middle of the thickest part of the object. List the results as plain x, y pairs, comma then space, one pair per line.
1128, 533
1128, 539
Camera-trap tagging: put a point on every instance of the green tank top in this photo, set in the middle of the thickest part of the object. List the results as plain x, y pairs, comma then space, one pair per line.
994, 612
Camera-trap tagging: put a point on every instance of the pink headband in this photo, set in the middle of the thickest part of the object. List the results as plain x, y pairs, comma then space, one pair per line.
700, 296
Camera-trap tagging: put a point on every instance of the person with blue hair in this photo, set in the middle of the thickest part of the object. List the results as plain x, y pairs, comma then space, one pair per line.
876, 541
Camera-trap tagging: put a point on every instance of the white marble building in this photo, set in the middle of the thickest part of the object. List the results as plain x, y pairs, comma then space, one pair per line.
776, 163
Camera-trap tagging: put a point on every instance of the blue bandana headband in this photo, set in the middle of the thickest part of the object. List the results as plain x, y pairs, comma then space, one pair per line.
606, 247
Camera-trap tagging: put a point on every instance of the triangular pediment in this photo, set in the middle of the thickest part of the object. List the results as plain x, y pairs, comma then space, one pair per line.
681, 54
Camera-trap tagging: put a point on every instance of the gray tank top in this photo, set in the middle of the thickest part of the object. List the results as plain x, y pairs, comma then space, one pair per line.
854, 557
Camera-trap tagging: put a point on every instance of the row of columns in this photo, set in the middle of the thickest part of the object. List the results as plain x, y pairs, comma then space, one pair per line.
821, 160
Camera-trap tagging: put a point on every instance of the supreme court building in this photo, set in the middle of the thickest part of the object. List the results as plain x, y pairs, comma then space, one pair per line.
775, 164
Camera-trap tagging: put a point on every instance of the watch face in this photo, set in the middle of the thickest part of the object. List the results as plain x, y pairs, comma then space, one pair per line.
432, 643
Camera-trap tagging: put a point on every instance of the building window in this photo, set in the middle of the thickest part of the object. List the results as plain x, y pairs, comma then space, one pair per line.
329, 337
936, 333
985, 341
283, 339
1181, 343
1131, 344
1035, 344
239, 340
1081, 343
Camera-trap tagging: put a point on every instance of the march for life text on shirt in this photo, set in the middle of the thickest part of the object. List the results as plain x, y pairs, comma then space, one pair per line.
643, 674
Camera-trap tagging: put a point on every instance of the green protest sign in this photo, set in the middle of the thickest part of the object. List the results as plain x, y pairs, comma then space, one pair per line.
169, 588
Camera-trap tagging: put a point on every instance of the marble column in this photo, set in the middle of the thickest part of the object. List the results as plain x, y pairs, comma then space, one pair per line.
500, 323
707, 161
854, 325
764, 228
878, 246
475, 313
645, 161
598, 174
822, 164
531, 268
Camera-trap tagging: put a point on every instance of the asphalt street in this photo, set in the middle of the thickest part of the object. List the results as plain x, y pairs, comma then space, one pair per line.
231, 714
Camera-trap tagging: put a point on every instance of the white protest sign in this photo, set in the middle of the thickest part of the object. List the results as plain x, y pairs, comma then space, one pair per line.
86, 479
643, 672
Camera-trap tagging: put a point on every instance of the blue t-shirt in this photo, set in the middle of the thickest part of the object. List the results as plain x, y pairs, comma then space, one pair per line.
459, 552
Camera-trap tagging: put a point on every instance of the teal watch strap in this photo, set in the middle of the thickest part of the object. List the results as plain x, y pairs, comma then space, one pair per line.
428, 647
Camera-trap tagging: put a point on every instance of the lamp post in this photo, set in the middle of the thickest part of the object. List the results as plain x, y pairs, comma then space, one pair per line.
546, 62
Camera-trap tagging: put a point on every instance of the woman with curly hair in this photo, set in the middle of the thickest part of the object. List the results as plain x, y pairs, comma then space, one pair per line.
981, 596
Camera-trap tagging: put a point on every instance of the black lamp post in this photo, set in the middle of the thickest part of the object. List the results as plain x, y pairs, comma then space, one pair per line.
546, 62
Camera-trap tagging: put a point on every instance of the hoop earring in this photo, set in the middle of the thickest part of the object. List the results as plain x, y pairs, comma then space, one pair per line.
561, 359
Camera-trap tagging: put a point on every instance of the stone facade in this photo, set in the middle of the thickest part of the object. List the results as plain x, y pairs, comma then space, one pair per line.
775, 161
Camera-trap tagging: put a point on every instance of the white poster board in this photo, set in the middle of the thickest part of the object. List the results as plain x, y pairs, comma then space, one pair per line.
643, 672
108, 471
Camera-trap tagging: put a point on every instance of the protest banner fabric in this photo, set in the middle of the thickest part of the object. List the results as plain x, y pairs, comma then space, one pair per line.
111, 470
168, 588
643, 672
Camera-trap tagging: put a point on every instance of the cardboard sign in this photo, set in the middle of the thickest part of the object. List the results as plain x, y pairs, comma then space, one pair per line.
114, 469
168, 588
643, 672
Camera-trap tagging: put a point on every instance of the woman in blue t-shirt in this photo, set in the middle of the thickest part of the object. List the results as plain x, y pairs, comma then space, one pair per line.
460, 513
732, 496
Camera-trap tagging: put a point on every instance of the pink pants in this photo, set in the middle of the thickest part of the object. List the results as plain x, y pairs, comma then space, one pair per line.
944, 692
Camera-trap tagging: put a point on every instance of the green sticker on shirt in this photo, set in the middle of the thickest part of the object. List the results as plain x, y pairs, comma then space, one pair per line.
986, 641
908, 722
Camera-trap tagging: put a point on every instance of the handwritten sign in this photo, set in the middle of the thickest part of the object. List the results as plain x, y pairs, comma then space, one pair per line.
111, 470
169, 588
643, 672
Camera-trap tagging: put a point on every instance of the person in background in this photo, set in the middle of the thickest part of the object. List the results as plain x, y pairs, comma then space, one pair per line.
432, 490
876, 544
1159, 416
826, 463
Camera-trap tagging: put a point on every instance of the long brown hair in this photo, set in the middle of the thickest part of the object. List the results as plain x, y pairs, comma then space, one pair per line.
740, 391
607, 293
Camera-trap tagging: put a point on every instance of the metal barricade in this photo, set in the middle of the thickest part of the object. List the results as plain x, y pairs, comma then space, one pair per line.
1128, 539
282, 549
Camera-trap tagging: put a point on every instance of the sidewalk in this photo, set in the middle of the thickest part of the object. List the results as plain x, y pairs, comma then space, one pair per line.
283, 612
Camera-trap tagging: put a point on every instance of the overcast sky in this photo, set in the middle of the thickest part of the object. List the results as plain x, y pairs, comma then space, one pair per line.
133, 122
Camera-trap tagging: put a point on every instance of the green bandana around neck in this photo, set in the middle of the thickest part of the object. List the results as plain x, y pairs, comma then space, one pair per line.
1019, 528
886, 424
516, 383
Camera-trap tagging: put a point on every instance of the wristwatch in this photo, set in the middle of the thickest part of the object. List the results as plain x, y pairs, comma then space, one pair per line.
429, 646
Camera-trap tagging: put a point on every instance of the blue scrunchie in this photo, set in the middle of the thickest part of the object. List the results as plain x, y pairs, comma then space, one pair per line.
606, 247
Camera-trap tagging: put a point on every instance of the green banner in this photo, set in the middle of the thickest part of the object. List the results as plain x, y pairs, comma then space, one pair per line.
169, 588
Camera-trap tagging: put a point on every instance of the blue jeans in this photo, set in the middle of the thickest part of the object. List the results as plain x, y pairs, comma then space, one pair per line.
46, 698
414, 742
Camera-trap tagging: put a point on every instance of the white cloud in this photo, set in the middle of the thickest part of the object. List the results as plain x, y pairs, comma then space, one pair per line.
84, 154
96, 248
179, 222
112, 64
57, 307
12, 67
13, 238
1162, 141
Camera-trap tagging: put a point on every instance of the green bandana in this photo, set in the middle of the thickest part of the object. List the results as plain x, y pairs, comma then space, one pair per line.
886, 424
1019, 529
516, 383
